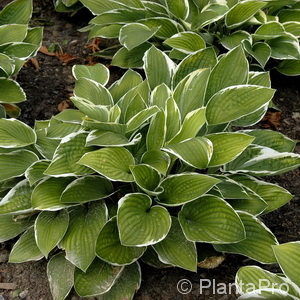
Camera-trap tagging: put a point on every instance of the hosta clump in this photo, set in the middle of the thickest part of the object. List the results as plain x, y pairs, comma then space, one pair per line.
144, 169
256, 283
18, 42
267, 29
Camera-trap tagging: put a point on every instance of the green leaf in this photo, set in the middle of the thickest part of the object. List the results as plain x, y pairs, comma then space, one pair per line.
46, 195
264, 161
60, 274
173, 119
46, 146
254, 276
285, 47
16, 12
235, 39
6, 65
186, 187
22, 159
96, 72
260, 78
50, 227
258, 243
237, 101
110, 249
159, 68
227, 146
86, 189
186, 42
204, 58
242, 12
293, 28
176, 250
80, 240
220, 78
66, 156
125, 58
126, 284
140, 118
110, 139
180, 8
15, 134
97, 280
98, 8
25, 249
92, 91
211, 219
135, 34
17, 200
260, 51
36, 171
287, 256
127, 82
289, 67
269, 30
273, 294
287, 15
146, 177
272, 139
10, 228
140, 224
195, 152
112, 163
210, 13
157, 132
190, 92
12, 33
192, 124
159, 160
274, 195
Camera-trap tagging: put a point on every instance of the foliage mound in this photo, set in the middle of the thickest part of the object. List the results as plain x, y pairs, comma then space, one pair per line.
18, 42
145, 169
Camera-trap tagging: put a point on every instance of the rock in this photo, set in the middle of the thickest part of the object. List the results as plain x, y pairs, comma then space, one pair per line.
4, 256
23, 294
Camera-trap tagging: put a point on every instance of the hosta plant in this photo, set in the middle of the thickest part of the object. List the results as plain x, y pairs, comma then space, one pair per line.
18, 42
145, 169
267, 29
256, 283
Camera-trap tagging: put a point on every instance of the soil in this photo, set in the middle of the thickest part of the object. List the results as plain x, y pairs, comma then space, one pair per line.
48, 89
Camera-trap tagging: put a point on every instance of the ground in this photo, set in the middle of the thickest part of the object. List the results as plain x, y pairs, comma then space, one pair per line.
48, 87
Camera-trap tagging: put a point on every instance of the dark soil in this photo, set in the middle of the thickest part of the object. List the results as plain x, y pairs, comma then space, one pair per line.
51, 84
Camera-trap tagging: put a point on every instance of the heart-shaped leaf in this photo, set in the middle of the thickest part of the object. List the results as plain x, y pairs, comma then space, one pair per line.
196, 152
60, 276
287, 256
176, 250
87, 188
15, 134
97, 72
46, 195
135, 34
10, 228
113, 163
146, 177
238, 101
157, 159
36, 171
140, 224
11, 92
210, 219
98, 278
50, 227
126, 284
25, 249
110, 249
17, 200
80, 240
257, 244
22, 159
182, 188
66, 156
227, 146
